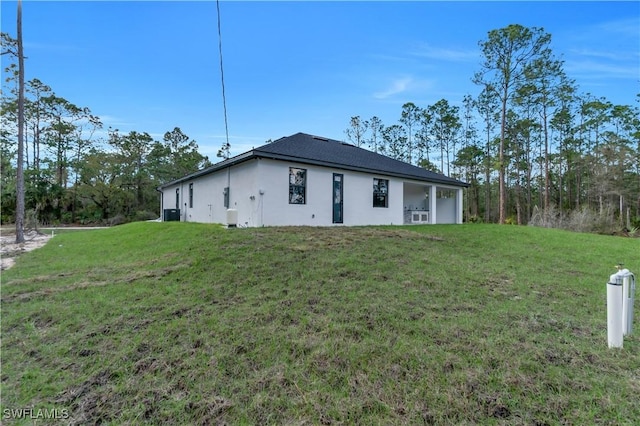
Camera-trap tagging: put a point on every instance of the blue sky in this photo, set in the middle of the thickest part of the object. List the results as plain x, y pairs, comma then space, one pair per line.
299, 66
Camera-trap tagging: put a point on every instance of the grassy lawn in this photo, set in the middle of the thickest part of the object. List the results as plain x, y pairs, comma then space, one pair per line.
176, 323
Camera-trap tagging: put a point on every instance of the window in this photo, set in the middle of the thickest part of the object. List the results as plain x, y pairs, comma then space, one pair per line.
297, 185
225, 193
177, 198
380, 192
191, 195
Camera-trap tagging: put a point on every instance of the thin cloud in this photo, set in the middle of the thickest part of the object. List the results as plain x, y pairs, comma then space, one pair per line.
397, 86
612, 55
425, 50
599, 70
112, 121
624, 27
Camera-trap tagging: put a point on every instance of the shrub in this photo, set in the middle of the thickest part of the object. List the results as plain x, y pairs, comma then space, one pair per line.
579, 220
31, 219
474, 219
140, 216
116, 220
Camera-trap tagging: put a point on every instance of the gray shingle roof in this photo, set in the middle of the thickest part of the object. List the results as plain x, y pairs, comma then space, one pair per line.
305, 148
309, 149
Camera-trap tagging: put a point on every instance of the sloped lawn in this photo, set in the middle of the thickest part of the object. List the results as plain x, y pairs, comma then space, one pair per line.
176, 323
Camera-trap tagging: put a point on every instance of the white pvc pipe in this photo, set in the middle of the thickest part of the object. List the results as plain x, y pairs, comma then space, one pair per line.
614, 314
628, 293
625, 304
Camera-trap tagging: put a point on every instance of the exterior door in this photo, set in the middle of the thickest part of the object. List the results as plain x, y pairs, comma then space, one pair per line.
337, 197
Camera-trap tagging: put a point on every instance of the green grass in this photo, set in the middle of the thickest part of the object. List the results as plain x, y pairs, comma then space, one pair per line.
174, 323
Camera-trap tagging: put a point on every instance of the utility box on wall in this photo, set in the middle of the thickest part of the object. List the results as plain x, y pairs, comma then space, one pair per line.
171, 215
232, 218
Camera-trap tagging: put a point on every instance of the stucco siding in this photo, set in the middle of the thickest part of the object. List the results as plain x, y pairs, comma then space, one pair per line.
208, 195
316, 211
259, 191
446, 210
358, 201
318, 208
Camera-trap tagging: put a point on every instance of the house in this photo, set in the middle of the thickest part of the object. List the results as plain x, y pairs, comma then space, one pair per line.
314, 181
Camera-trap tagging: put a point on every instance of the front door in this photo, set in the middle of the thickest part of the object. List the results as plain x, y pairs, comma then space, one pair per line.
337, 197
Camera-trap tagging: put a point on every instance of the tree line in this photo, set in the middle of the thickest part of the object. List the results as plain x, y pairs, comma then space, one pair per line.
72, 172
532, 147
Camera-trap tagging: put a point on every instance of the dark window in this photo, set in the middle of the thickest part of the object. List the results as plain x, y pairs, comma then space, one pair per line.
177, 198
190, 195
297, 185
225, 193
380, 193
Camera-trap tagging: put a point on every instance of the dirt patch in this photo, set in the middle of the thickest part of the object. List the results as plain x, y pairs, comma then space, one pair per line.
9, 250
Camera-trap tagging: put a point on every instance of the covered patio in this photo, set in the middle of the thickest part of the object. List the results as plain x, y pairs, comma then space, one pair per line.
431, 204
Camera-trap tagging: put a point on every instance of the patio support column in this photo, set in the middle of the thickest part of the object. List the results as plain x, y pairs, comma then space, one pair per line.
432, 204
459, 205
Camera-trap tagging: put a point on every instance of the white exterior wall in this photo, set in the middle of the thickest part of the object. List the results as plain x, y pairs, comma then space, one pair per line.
244, 178
259, 191
446, 210
358, 201
318, 211
208, 196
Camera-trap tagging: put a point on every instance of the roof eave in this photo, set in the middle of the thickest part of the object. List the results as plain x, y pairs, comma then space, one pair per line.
257, 153
212, 169
274, 156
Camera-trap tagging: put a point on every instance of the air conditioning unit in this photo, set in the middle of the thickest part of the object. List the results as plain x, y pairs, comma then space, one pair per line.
419, 216
232, 218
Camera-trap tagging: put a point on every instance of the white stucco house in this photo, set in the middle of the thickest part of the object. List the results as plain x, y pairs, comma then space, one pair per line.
312, 181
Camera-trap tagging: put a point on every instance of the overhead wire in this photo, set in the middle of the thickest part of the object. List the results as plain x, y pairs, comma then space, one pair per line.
224, 97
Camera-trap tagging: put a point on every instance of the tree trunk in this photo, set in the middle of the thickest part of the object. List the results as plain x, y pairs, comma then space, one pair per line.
503, 191
20, 165
547, 179
487, 179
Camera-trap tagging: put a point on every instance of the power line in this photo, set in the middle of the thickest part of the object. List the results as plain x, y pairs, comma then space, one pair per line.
226, 147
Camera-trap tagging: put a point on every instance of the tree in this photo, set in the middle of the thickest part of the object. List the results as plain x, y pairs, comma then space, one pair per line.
37, 116
423, 138
225, 151
595, 116
428, 165
395, 139
175, 157
7, 176
133, 149
470, 133
20, 165
82, 145
508, 52
101, 176
409, 117
518, 131
445, 126
542, 76
356, 132
562, 122
375, 142
487, 106
469, 159
15, 48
